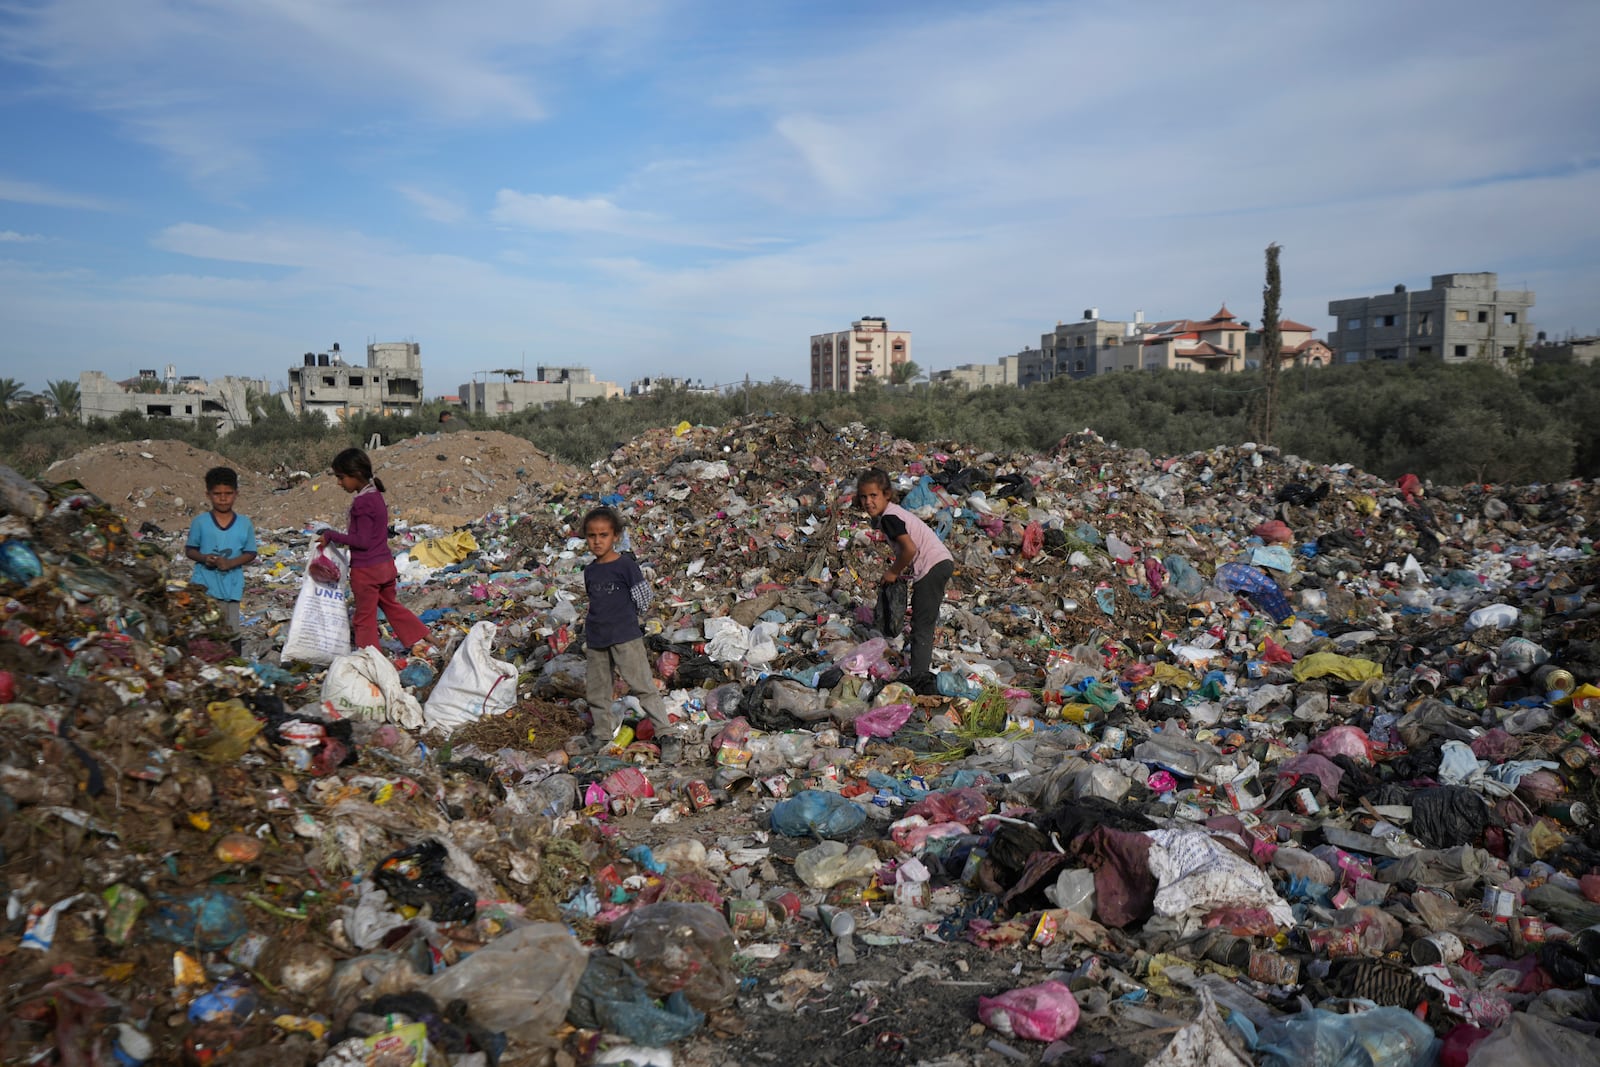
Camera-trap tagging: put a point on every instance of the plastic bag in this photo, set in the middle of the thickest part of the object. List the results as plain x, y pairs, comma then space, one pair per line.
1383, 1037
832, 862
612, 997
889, 617
206, 919
520, 984
325, 568
473, 684
1044, 1012
364, 685
416, 876
882, 722
817, 813
679, 947
319, 629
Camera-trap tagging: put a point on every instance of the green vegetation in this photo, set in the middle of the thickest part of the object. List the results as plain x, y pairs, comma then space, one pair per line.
1453, 424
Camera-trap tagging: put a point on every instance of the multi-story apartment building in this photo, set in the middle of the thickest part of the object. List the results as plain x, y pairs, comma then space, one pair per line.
1460, 317
1092, 345
841, 361
1215, 345
390, 383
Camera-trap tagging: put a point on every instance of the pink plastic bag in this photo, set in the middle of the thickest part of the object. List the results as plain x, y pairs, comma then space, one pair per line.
953, 805
1344, 741
323, 568
1044, 1012
868, 658
882, 722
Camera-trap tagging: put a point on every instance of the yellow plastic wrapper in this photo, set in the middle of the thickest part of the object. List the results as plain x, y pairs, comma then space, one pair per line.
226, 736
681, 429
1167, 674
1324, 664
443, 551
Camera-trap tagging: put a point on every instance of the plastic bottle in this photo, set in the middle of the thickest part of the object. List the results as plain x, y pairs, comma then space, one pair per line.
1074, 891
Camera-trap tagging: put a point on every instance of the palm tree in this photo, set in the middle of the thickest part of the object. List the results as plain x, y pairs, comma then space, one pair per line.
64, 397
904, 373
11, 391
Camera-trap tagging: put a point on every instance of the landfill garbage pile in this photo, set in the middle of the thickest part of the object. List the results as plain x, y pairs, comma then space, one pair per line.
1234, 759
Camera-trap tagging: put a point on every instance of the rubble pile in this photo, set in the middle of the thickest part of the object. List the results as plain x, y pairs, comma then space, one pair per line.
1234, 759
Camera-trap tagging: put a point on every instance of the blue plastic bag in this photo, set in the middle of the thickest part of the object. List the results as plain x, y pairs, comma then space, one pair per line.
815, 813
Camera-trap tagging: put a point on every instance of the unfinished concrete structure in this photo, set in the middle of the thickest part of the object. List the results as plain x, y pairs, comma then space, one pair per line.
390, 383
1460, 317
223, 403
553, 385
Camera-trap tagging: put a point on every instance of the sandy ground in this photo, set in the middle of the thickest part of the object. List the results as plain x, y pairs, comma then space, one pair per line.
440, 479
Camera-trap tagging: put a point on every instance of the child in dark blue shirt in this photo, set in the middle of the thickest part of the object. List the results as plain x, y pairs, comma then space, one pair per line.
618, 595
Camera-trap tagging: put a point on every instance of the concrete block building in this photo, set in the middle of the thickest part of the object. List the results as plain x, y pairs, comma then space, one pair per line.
552, 385
1092, 345
223, 402
1458, 318
842, 360
389, 384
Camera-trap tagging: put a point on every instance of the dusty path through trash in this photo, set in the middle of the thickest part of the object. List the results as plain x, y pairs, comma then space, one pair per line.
1232, 758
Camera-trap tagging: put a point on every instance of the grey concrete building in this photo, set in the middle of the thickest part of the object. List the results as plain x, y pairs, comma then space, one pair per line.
390, 383
553, 385
223, 403
1092, 345
1460, 317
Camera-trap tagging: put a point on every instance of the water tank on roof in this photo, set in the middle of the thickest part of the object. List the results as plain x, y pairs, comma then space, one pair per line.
1090, 314
1399, 288
336, 346
311, 359
322, 359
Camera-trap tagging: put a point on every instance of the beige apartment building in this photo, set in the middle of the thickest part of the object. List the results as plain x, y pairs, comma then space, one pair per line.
841, 361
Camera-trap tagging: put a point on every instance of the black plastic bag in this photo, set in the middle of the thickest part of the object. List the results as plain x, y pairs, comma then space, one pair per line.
415, 876
1448, 815
889, 617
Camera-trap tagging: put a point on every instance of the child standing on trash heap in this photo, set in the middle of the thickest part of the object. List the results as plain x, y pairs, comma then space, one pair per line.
373, 578
221, 541
918, 552
614, 640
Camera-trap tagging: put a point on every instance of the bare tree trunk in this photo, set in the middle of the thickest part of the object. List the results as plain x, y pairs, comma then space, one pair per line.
1271, 348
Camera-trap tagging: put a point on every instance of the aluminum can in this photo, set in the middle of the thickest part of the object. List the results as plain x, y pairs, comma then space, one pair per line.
1498, 904
699, 794
1305, 802
1426, 680
747, 916
1533, 930
1442, 947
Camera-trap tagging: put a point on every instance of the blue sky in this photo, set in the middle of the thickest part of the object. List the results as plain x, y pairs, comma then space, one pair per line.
658, 187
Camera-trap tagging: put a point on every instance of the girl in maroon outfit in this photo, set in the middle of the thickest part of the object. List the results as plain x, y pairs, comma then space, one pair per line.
372, 572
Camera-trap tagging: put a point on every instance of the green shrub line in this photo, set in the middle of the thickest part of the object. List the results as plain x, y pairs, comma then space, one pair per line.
1452, 424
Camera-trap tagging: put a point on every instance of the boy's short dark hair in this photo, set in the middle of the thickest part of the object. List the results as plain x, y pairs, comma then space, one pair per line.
446, 416
222, 476
609, 514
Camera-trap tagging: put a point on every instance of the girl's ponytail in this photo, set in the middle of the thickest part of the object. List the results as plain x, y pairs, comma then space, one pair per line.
377, 481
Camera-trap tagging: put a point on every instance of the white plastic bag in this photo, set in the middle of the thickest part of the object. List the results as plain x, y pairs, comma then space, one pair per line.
319, 630
473, 684
364, 685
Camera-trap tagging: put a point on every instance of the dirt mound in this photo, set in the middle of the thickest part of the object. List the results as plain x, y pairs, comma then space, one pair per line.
443, 479
150, 481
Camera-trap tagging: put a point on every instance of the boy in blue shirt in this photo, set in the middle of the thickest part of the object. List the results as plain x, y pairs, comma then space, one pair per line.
221, 541
618, 595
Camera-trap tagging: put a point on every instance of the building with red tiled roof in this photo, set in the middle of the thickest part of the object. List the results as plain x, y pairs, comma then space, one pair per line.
1215, 345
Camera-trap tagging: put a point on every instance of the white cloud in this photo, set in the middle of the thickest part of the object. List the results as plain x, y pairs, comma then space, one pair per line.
538, 211
23, 192
431, 206
207, 82
13, 237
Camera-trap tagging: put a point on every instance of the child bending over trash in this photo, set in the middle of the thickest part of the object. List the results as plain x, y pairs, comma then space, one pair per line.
917, 552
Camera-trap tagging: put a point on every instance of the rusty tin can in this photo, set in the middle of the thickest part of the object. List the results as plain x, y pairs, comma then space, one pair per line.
1274, 968
747, 916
